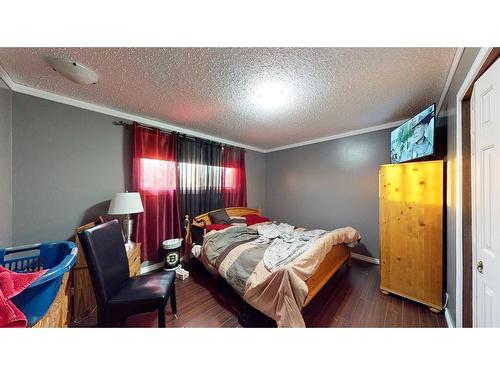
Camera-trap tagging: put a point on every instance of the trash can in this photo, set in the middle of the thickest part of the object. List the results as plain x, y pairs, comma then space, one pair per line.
172, 253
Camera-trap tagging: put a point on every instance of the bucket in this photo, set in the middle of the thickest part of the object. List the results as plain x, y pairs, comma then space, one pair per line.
172, 253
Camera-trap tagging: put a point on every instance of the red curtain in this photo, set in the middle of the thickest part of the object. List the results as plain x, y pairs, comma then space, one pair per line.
234, 180
154, 175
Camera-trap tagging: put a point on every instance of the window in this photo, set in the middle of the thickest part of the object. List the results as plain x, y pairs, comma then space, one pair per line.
198, 176
157, 175
230, 178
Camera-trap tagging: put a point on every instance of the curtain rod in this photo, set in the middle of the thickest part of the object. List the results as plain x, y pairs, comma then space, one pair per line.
125, 124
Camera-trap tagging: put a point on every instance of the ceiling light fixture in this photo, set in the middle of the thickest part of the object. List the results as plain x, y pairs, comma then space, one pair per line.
272, 95
73, 70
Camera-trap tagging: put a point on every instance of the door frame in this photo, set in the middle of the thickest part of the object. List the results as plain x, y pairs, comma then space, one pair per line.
465, 277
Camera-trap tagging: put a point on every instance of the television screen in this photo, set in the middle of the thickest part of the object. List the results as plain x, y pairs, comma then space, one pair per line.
414, 139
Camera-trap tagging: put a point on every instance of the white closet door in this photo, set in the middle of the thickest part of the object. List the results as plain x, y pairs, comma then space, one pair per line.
485, 117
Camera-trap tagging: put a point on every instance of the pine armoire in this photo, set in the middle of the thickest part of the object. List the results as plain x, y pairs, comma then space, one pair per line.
411, 231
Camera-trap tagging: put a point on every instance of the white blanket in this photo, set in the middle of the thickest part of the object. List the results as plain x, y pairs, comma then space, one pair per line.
268, 232
286, 244
196, 251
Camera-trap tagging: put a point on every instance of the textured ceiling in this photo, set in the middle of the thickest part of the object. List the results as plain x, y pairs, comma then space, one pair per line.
314, 92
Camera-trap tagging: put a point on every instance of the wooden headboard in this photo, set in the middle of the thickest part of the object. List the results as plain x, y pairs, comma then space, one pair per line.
204, 219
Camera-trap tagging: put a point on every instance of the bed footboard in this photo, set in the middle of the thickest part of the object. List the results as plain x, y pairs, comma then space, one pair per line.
335, 259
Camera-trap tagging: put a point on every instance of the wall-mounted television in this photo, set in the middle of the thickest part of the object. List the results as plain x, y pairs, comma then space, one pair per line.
414, 139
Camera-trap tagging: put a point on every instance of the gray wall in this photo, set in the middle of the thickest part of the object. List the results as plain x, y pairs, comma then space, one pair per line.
67, 163
255, 165
5, 165
447, 118
330, 185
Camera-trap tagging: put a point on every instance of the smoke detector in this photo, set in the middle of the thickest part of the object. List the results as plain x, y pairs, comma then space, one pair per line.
73, 70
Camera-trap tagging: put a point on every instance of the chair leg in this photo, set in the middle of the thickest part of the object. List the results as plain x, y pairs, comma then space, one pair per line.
161, 317
173, 301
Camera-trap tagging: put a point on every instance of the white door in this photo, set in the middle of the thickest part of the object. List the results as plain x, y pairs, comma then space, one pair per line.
485, 116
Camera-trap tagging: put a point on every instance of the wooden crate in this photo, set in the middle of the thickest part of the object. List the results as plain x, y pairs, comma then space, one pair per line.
411, 231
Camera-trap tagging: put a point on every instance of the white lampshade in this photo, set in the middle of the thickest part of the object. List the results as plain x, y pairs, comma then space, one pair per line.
125, 203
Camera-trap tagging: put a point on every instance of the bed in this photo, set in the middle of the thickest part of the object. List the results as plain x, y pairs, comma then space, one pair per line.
281, 293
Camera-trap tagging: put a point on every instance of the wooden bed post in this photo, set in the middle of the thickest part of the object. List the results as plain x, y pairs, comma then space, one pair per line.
187, 238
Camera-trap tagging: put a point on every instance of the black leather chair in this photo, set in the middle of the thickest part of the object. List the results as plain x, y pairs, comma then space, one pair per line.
118, 295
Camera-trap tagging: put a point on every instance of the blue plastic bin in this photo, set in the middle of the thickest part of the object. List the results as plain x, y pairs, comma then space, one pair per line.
57, 257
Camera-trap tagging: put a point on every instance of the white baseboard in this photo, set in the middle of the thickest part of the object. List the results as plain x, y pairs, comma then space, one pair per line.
449, 320
148, 267
365, 258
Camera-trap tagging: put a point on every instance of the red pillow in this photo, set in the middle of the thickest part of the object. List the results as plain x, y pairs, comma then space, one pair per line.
211, 227
255, 219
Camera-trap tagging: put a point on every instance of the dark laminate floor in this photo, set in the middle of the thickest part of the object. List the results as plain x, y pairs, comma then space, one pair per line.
350, 299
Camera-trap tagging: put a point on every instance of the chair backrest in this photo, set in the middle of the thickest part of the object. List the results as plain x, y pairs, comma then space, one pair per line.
106, 258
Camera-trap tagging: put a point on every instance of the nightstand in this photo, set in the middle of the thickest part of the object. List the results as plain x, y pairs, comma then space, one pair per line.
84, 303
134, 258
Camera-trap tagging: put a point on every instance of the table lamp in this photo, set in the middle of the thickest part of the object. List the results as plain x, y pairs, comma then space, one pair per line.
126, 204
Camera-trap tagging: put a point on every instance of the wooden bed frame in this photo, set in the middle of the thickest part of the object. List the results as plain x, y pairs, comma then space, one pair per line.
335, 259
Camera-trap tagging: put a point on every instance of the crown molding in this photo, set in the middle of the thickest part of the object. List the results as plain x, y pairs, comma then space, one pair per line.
23, 89
16, 87
126, 115
453, 68
6, 77
369, 129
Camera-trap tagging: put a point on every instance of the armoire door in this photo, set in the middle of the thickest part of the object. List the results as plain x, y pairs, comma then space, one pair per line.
411, 231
